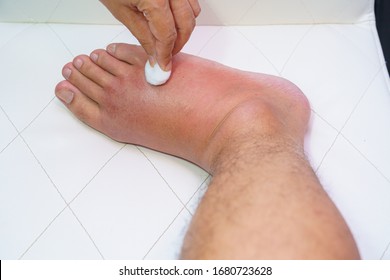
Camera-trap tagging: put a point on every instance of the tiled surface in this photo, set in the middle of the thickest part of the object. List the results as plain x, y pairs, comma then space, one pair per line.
129, 202
28, 200
69, 192
362, 195
168, 246
64, 239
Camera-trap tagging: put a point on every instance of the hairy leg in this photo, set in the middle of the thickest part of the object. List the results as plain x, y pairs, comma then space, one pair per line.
246, 129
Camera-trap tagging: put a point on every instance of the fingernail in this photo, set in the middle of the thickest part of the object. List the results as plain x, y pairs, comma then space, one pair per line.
152, 61
65, 96
78, 63
94, 57
111, 48
168, 67
66, 73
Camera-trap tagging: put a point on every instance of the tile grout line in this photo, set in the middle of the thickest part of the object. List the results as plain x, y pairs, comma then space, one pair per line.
323, 119
247, 11
60, 38
261, 52
49, 18
28, 25
86, 231
209, 40
96, 174
362, 96
350, 115
13, 125
31, 151
304, 4
162, 234
86, 185
385, 251
353, 43
42, 233
9, 144
378, 45
296, 48
50, 179
68, 204
44, 170
19, 133
162, 177
204, 181
117, 35
327, 152
37, 116
369, 161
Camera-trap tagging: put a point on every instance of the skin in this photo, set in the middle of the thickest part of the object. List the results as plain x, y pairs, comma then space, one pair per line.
161, 26
264, 201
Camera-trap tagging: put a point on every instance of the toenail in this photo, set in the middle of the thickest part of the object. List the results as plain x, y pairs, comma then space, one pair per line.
111, 48
78, 63
67, 73
65, 96
94, 57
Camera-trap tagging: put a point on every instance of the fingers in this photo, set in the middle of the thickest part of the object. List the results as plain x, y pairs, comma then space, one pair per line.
135, 21
184, 16
162, 25
133, 18
195, 7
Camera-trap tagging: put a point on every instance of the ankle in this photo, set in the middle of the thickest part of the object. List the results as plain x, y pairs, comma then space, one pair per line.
258, 126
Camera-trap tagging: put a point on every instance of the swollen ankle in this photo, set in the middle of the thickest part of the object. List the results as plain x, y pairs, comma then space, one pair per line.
266, 122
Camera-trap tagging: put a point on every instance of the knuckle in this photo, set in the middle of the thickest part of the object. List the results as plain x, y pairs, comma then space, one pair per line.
152, 6
190, 26
159, 3
146, 43
170, 37
197, 11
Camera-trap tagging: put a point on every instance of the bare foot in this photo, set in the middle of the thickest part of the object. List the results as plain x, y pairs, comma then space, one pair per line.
202, 108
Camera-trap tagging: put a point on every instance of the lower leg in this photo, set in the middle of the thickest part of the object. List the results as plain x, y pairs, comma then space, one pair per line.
265, 202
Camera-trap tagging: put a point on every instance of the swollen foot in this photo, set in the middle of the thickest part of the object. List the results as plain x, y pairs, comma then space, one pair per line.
190, 116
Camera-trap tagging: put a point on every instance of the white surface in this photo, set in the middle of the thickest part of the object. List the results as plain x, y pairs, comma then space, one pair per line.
69, 192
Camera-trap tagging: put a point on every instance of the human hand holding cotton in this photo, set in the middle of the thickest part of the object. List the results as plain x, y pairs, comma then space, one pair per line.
162, 27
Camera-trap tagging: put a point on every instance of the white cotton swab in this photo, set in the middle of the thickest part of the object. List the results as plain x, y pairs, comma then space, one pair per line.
155, 75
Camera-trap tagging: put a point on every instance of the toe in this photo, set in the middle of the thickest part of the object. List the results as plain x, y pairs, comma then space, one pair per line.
79, 104
109, 63
92, 71
83, 83
128, 53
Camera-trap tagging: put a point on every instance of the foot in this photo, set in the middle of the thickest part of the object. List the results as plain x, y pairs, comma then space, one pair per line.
203, 108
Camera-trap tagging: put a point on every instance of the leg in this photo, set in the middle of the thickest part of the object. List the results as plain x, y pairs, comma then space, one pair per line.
246, 129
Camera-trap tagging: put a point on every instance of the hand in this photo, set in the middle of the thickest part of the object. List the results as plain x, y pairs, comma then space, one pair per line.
161, 26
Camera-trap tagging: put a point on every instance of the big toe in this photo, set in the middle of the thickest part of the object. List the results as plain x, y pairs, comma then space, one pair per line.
79, 104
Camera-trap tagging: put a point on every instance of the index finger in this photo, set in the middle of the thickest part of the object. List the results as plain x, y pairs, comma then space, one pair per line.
162, 26
184, 16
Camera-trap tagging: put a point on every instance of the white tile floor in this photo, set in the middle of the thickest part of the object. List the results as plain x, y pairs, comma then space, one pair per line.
68, 192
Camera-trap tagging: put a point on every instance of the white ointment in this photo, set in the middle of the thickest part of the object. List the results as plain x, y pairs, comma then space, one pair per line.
155, 75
